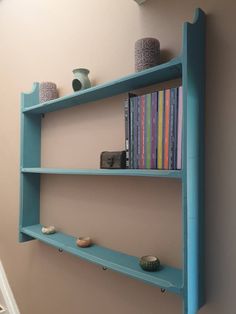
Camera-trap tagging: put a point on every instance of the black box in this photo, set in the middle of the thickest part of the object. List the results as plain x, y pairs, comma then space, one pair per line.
113, 160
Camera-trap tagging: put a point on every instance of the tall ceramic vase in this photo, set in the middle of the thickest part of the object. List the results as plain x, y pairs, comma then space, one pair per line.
147, 53
81, 80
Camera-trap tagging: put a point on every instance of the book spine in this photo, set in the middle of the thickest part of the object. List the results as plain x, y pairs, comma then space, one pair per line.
138, 133
154, 131
175, 126
163, 130
142, 141
173, 129
171, 133
126, 109
148, 106
157, 131
131, 145
160, 129
145, 132
167, 128
180, 127
135, 133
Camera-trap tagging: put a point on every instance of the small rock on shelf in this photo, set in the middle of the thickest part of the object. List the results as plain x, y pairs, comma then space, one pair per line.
84, 241
48, 230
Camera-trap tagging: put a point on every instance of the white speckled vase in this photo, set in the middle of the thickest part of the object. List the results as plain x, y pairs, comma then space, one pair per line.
147, 53
47, 91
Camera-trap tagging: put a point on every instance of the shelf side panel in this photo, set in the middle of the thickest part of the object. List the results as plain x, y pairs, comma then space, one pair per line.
30, 157
29, 203
30, 99
193, 169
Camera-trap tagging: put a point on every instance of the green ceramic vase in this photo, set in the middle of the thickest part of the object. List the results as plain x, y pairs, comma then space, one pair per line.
81, 80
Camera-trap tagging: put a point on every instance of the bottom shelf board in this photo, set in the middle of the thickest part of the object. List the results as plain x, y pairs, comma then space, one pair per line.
168, 278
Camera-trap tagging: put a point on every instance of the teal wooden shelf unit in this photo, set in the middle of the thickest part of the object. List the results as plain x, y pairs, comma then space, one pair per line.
187, 282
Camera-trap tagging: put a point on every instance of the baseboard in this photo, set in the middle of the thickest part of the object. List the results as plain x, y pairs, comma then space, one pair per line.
7, 300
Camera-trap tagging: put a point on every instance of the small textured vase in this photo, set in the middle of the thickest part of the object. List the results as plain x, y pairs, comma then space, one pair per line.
81, 80
147, 53
149, 263
47, 91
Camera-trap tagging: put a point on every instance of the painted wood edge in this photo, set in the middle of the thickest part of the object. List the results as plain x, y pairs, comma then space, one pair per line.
172, 174
29, 99
192, 170
30, 147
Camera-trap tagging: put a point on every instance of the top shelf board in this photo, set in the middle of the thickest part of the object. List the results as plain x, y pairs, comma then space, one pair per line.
163, 72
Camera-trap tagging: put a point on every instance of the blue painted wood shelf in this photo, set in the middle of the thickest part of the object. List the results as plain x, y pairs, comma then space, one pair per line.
190, 67
168, 278
160, 73
174, 174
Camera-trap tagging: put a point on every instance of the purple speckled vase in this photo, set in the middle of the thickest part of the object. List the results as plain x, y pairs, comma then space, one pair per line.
47, 91
147, 53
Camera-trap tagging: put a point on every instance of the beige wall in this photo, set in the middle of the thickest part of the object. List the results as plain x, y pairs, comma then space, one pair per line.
44, 40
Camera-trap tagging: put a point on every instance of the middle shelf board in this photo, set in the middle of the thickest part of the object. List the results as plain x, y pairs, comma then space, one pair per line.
160, 73
168, 278
175, 174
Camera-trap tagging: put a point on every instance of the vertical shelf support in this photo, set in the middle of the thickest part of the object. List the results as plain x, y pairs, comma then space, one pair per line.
30, 157
193, 56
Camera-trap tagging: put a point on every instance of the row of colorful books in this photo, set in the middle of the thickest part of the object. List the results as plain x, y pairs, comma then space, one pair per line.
153, 130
